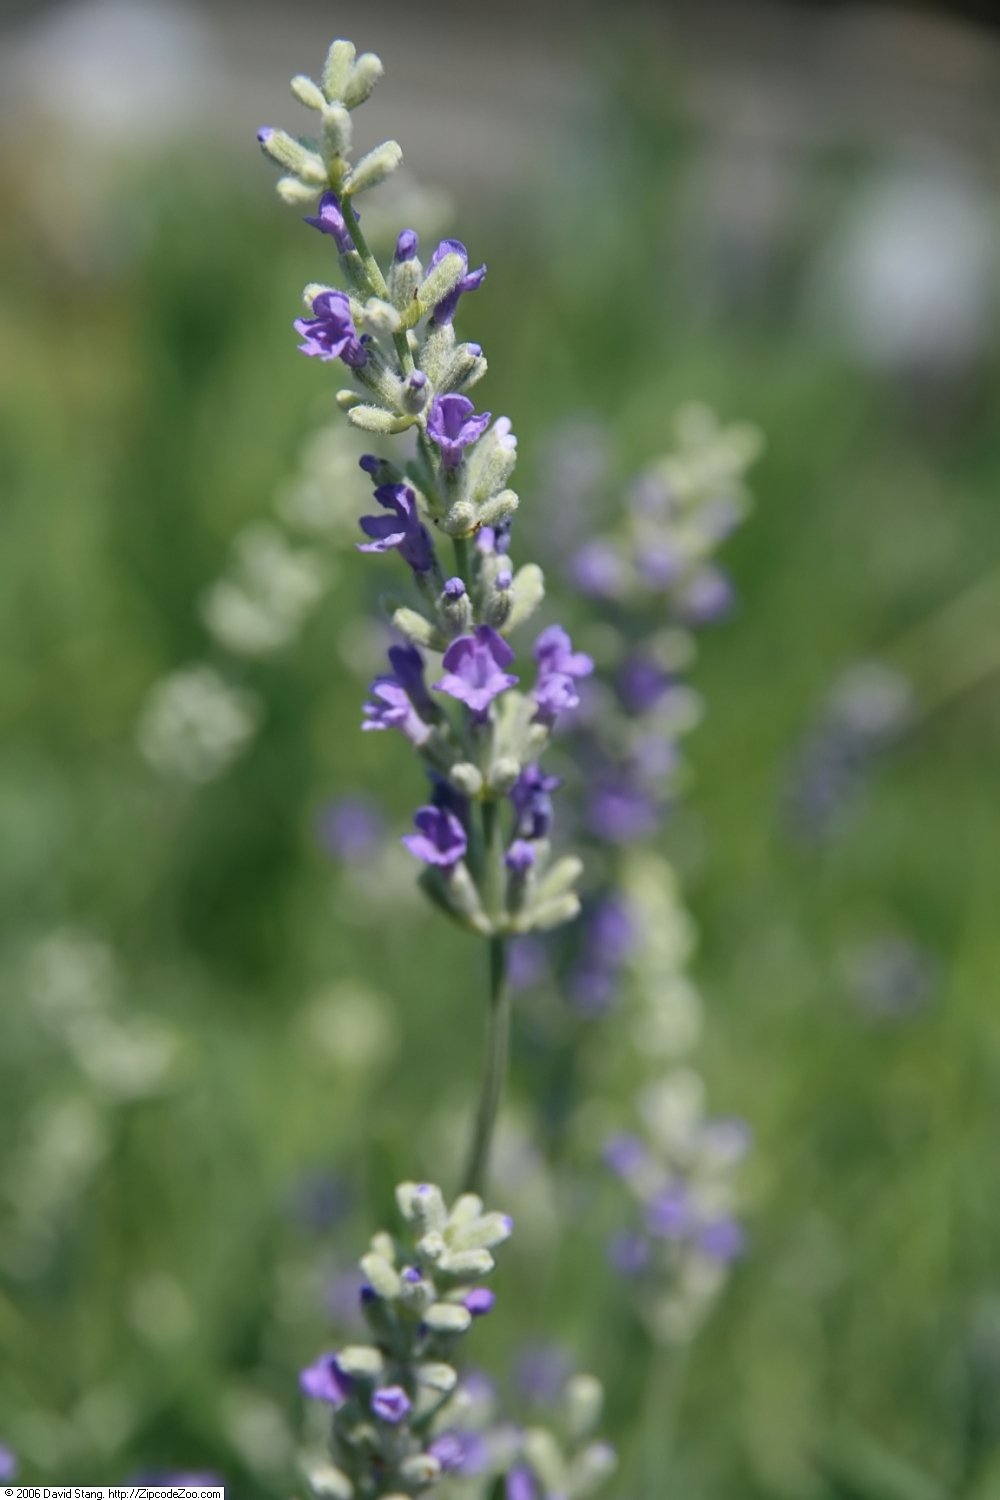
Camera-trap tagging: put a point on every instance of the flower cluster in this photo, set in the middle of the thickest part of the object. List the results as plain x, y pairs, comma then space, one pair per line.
392, 1398
656, 576
450, 689
681, 1171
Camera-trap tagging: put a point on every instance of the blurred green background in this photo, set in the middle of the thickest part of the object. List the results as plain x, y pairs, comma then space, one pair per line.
786, 214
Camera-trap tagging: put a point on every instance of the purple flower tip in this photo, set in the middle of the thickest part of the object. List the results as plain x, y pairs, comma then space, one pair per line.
324, 1380
441, 839
475, 350
391, 1403
504, 579
454, 588
406, 244
412, 1275
8, 1464
369, 463
624, 1153
479, 1301
417, 380
520, 856
265, 133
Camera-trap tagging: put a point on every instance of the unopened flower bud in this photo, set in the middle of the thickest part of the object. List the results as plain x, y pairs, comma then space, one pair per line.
456, 607
374, 168
466, 778
364, 76
337, 129
308, 93
292, 155
447, 1317
338, 68
416, 388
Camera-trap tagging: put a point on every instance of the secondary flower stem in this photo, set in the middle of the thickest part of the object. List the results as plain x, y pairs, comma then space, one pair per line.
497, 1046
371, 266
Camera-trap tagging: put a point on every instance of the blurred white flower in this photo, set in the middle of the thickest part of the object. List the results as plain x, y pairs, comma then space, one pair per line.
128, 1059
349, 1026
194, 724
160, 1310
70, 974
261, 605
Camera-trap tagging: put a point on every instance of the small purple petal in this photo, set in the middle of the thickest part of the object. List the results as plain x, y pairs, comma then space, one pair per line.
391, 1404
324, 1380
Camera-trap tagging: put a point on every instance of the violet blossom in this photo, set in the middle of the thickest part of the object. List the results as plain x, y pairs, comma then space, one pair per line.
330, 332
441, 840
402, 530
470, 280
474, 669
453, 424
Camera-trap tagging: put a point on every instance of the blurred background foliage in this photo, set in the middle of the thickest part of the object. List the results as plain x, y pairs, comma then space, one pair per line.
187, 1177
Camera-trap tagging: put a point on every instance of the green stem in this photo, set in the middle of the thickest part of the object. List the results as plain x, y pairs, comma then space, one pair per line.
461, 548
664, 1385
497, 1046
373, 271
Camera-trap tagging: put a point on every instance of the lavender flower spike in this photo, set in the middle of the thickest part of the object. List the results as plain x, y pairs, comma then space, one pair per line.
441, 840
330, 332
454, 425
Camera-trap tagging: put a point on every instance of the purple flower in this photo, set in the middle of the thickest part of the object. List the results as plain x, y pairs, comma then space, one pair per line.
660, 565
598, 570
330, 220
624, 1154
351, 828
495, 539
554, 695
445, 309
460, 1452
628, 1253
324, 1380
520, 856
391, 1403
454, 424
531, 795
479, 1301
668, 1216
558, 667
8, 1464
402, 530
520, 1485
406, 244
473, 666
708, 597
620, 811
329, 333
723, 1240
554, 653
390, 707
541, 1372
641, 683
441, 840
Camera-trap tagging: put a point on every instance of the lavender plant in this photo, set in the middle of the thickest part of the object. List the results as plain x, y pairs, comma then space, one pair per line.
484, 834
